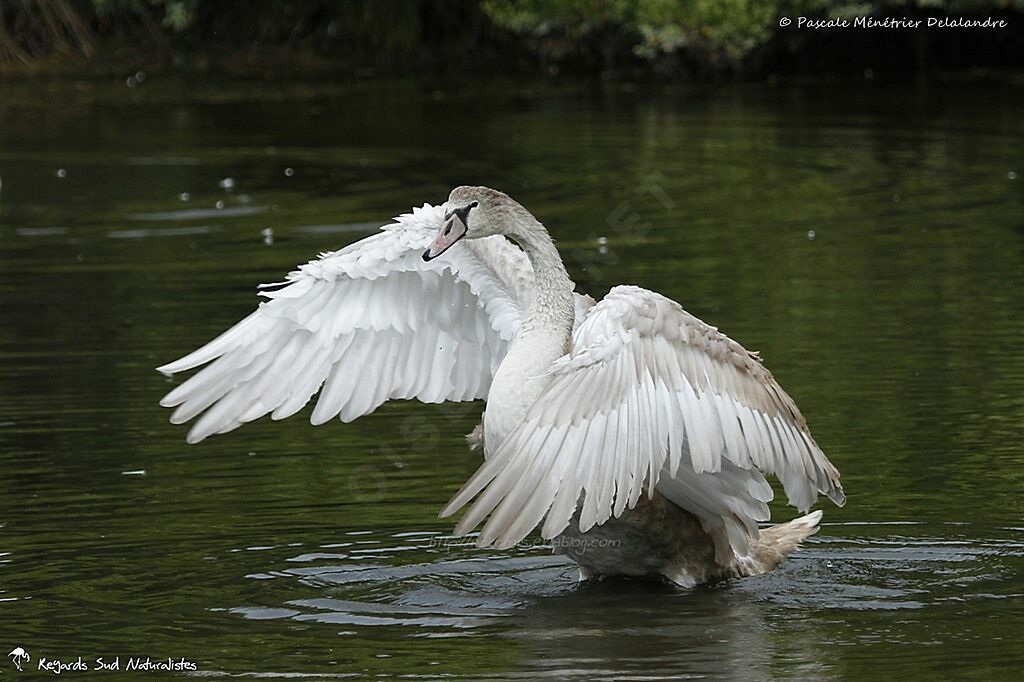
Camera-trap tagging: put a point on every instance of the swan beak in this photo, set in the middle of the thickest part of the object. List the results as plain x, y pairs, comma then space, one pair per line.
453, 229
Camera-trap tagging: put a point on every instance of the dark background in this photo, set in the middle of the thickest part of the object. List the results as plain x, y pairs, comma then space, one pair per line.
669, 39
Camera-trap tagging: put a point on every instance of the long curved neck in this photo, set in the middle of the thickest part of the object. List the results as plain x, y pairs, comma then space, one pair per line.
552, 308
543, 337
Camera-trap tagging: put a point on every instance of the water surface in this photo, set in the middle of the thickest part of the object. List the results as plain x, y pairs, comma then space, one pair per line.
868, 240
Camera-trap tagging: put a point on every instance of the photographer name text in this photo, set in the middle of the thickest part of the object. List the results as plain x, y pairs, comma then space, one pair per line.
817, 23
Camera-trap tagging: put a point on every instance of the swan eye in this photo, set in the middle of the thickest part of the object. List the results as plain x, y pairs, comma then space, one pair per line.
461, 213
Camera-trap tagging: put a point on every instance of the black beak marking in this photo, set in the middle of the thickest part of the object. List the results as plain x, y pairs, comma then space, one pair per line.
462, 214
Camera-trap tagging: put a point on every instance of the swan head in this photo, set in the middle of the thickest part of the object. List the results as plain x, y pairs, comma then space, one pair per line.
472, 213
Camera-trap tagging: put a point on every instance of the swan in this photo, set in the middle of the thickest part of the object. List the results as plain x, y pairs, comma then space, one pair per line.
634, 435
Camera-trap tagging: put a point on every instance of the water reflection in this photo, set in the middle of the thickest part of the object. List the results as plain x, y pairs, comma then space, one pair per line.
616, 629
200, 213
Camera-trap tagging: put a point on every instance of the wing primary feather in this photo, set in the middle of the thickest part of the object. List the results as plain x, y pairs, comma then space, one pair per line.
669, 399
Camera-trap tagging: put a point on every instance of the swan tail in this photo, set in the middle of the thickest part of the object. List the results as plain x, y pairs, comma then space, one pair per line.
475, 438
776, 543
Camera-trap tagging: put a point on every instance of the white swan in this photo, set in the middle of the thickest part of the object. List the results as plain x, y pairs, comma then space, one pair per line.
634, 434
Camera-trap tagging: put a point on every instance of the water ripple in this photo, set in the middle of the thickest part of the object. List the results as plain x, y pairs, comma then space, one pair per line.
467, 589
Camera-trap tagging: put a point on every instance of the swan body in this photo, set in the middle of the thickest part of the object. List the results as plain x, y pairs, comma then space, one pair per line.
635, 436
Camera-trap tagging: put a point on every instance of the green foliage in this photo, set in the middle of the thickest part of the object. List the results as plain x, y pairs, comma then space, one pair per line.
577, 17
722, 34
723, 27
727, 29
176, 15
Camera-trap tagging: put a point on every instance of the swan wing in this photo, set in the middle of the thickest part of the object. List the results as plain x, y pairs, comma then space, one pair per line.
648, 398
362, 325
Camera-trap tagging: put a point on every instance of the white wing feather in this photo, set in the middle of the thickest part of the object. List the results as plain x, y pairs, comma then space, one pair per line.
649, 398
363, 325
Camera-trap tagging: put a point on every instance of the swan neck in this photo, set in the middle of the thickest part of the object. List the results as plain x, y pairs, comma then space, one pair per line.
552, 306
545, 332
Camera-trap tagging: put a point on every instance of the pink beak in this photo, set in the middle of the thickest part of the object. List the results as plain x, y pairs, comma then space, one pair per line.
451, 231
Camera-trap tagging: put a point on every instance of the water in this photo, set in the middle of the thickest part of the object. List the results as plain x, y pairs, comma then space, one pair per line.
868, 240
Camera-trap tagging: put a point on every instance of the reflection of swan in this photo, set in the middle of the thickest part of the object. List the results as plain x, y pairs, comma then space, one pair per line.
623, 630
528, 608
589, 407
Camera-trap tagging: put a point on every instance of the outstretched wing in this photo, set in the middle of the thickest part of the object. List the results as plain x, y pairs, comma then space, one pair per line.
649, 398
362, 325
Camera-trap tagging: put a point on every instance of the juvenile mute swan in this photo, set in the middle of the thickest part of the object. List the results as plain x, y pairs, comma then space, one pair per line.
634, 434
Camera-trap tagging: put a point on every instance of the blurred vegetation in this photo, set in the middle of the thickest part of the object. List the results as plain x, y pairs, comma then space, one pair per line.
724, 34
668, 36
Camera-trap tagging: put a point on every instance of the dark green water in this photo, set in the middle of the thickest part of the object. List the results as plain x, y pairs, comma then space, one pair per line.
281, 549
